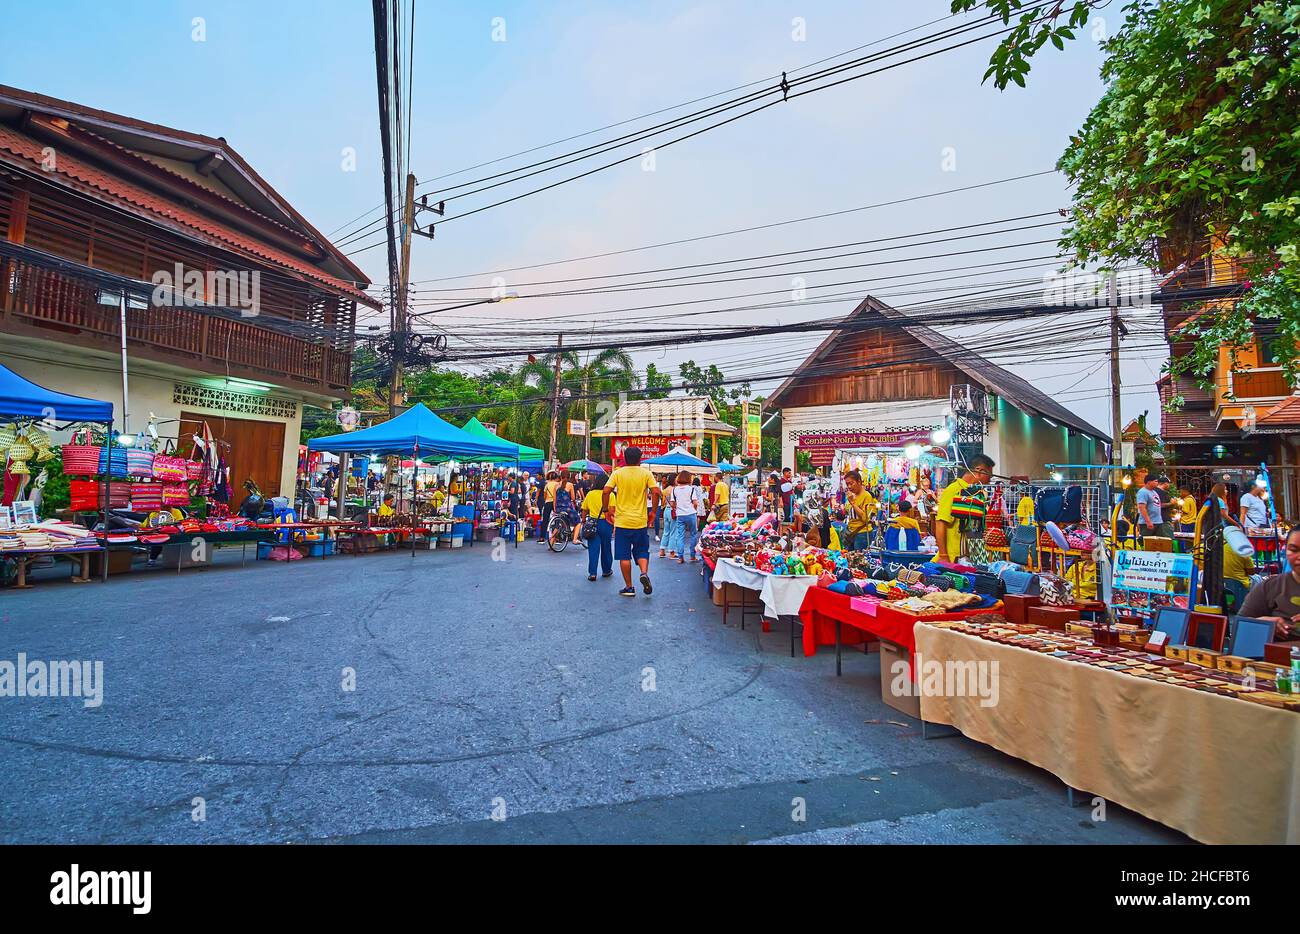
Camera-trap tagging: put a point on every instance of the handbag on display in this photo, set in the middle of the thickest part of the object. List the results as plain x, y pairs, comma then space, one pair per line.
112, 464
1081, 539
167, 466
119, 495
84, 495
80, 456
1055, 591
175, 494
1024, 545
139, 462
146, 497
995, 536
990, 585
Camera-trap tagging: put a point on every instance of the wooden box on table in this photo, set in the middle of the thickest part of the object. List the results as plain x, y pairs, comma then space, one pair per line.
1052, 617
1018, 605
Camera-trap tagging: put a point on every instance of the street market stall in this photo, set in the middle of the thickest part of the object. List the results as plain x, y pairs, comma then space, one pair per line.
417, 433
1151, 737
27, 410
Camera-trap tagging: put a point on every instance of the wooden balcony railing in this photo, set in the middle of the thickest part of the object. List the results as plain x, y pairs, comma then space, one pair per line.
1259, 383
206, 341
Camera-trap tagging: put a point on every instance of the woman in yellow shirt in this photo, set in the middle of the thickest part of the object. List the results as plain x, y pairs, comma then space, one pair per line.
601, 548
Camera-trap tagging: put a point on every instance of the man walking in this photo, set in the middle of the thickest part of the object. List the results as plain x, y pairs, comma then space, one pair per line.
631, 517
1150, 516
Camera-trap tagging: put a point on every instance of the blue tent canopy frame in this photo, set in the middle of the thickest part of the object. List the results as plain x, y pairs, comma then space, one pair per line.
21, 398
417, 432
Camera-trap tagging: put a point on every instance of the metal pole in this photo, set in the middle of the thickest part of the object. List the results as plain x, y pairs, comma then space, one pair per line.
399, 300
126, 407
555, 398
415, 472
1116, 429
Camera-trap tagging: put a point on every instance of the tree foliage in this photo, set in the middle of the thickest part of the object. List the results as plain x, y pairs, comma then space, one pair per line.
1193, 146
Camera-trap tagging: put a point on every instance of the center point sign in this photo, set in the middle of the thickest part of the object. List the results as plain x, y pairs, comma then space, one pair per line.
812, 440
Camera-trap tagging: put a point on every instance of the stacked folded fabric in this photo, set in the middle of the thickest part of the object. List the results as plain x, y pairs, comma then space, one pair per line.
68, 535
33, 539
9, 541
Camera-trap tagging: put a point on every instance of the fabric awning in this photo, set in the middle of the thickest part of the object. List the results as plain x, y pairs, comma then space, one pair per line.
418, 431
21, 398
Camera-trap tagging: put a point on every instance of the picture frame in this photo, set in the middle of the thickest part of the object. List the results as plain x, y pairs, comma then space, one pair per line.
6, 519
25, 512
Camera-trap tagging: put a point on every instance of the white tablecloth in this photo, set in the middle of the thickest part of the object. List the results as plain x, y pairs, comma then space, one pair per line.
782, 594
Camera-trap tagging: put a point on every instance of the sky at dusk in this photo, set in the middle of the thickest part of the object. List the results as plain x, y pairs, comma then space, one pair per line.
291, 87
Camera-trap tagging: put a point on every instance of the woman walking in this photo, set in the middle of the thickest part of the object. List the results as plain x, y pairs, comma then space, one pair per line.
668, 537
601, 548
686, 502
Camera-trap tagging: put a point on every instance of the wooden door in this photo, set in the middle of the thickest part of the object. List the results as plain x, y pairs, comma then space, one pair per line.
256, 451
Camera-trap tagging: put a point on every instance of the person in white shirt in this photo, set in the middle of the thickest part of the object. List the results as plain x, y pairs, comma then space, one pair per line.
686, 501
1254, 510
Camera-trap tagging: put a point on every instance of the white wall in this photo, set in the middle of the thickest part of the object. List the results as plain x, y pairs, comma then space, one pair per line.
862, 416
1022, 444
81, 373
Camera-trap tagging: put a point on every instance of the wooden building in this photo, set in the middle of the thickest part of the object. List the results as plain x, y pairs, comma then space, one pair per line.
90, 200
1249, 414
880, 377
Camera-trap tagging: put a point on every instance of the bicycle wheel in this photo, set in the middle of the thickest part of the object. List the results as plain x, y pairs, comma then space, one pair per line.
557, 534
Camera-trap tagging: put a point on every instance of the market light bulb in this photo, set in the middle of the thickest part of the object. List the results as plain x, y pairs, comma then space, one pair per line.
125, 441
913, 452
1127, 481
1057, 476
941, 436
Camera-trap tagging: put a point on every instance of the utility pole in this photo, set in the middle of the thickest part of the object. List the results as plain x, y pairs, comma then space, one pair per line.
555, 398
586, 416
399, 316
1116, 429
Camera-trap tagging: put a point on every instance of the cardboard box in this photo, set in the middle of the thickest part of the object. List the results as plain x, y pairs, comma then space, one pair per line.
119, 562
909, 704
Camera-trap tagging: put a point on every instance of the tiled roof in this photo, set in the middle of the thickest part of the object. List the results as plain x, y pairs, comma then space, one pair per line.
682, 415
21, 149
1004, 383
1284, 414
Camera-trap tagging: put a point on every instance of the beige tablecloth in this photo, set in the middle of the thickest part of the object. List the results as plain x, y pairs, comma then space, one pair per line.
1219, 769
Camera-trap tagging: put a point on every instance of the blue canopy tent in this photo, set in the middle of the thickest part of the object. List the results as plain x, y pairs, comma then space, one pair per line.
415, 433
679, 459
21, 398
730, 468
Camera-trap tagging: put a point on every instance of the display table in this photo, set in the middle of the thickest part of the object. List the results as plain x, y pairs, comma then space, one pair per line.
824, 615
781, 595
78, 557
1219, 769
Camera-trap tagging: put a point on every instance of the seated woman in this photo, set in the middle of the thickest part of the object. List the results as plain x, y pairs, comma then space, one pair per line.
1278, 597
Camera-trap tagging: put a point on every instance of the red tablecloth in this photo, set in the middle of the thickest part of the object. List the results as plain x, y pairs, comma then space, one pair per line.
822, 607
819, 612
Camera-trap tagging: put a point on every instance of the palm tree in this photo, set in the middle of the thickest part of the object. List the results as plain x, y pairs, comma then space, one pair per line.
607, 373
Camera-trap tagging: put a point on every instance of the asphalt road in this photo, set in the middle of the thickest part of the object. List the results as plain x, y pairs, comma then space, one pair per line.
484, 689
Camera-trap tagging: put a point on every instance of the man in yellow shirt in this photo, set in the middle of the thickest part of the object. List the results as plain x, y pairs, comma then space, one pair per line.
386, 510
947, 529
721, 499
905, 519
861, 507
631, 515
